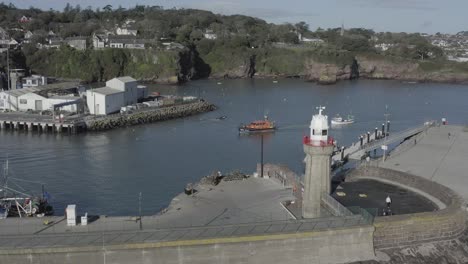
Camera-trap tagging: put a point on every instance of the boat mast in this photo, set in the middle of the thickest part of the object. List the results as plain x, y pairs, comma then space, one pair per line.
8, 66
5, 179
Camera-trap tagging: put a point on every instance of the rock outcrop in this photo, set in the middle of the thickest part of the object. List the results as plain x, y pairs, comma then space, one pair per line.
378, 68
328, 73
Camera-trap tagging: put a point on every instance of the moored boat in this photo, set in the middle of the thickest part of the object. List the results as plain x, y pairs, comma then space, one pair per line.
18, 203
338, 120
258, 126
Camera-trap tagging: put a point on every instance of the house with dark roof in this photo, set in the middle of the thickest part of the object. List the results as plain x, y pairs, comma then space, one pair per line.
127, 42
99, 41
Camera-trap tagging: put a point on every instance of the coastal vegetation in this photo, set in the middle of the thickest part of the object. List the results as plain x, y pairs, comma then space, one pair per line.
216, 46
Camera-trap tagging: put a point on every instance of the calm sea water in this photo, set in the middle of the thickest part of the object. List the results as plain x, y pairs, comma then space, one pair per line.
103, 173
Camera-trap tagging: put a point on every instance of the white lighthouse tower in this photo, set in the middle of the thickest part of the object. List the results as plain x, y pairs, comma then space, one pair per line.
318, 148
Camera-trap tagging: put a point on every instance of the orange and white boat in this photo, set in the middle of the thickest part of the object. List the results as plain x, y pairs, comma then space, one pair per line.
258, 126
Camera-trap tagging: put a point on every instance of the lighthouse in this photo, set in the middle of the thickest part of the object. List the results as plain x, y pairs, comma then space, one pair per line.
318, 147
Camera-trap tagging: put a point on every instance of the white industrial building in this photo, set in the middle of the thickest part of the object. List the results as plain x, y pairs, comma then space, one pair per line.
104, 101
119, 92
9, 100
31, 99
37, 102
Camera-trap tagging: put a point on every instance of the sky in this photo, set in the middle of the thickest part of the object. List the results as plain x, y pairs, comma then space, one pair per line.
428, 16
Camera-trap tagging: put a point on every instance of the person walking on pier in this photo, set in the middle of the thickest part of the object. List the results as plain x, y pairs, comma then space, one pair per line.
387, 211
388, 200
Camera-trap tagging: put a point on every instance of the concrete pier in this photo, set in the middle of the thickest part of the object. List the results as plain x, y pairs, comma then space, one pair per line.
439, 155
39, 123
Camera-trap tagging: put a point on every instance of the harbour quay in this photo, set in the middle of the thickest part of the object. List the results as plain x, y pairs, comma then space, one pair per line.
70, 108
18, 121
40, 123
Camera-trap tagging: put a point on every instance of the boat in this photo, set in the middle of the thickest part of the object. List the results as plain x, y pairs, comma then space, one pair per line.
338, 120
258, 126
222, 117
15, 203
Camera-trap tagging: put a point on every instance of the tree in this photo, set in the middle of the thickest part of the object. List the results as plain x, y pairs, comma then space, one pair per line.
107, 8
302, 27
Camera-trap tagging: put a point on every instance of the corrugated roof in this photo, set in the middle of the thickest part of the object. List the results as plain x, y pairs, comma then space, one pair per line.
19, 92
64, 97
106, 90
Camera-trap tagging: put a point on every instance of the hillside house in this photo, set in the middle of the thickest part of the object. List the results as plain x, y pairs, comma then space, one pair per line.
28, 35
99, 41
126, 42
209, 34
129, 29
24, 19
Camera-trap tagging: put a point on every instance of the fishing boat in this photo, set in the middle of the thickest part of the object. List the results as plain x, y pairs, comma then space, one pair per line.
258, 126
338, 120
18, 203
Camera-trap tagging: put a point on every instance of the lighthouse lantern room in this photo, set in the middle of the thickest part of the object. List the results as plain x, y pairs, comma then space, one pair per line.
319, 129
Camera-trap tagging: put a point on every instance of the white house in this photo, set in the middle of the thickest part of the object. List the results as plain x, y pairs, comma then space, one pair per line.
440, 43
127, 42
28, 35
209, 34
384, 46
310, 40
34, 81
127, 30
99, 41
105, 100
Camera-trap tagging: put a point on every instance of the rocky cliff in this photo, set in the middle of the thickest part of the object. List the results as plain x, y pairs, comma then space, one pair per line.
381, 68
328, 73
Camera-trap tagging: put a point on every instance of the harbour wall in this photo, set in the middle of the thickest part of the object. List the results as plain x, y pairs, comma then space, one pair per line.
148, 116
326, 246
401, 230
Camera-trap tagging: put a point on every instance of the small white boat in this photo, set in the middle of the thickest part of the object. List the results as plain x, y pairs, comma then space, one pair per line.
338, 120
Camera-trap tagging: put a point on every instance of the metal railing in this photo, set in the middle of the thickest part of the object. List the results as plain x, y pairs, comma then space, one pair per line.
392, 138
337, 208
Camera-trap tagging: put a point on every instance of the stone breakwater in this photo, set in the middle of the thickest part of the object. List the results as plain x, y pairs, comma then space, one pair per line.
148, 116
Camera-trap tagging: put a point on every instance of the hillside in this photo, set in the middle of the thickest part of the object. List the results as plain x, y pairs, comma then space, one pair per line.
178, 45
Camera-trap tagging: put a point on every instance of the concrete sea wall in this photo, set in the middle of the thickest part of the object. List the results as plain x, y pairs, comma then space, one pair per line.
401, 230
148, 116
326, 246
